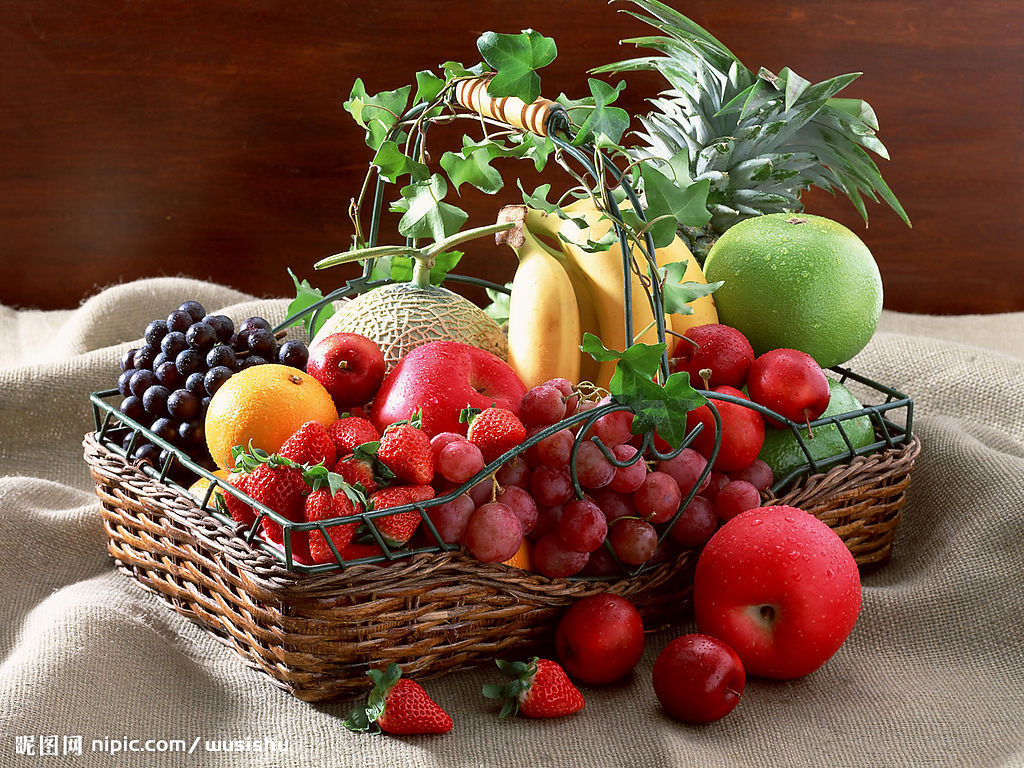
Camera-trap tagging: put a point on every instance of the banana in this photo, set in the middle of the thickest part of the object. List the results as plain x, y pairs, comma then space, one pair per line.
544, 321
582, 286
704, 310
604, 270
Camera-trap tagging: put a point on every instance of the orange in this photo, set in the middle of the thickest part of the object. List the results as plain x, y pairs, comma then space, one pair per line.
264, 405
523, 558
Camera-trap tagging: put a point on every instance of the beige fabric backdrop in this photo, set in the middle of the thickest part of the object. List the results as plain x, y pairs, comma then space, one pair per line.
933, 673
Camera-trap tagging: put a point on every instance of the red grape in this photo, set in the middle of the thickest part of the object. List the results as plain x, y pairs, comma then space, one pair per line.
716, 481
493, 533
614, 505
520, 502
601, 563
550, 486
459, 460
633, 540
513, 472
685, 467
658, 497
583, 526
758, 474
627, 479
551, 558
593, 470
440, 440
613, 428
547, 521
735, 497
542, 405
696, 524
451, 518
481, 492
554, 449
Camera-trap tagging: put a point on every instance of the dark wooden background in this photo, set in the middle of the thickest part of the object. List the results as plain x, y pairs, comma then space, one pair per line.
163, 137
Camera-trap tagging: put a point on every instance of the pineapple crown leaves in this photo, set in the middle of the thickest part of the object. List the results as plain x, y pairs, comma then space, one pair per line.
363, 718
519, 676
759, 139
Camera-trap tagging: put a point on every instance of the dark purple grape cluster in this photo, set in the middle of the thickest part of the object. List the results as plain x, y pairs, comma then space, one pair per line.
167, 383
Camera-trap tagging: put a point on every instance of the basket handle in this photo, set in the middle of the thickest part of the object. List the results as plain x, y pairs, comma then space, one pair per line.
542, 117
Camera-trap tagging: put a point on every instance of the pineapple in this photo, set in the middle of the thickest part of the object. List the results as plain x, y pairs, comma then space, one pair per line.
759, 139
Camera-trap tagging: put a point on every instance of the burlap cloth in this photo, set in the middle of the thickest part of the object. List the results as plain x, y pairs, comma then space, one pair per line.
933, 673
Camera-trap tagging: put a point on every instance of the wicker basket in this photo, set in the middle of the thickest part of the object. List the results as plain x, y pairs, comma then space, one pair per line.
315, 635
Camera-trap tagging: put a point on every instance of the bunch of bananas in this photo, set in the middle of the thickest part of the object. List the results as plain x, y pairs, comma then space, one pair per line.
560, 291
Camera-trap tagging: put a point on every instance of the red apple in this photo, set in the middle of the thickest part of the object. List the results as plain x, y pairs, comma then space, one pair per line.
780, 587
350, 366
441, 378
600, 639
791, 383
698, 679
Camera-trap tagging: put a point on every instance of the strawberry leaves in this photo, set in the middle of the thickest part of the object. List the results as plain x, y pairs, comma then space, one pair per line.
656, 406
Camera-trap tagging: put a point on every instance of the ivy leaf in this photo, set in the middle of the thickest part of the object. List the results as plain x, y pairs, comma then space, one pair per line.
530, 146
597, 120
608, 239
473, 165
685, 205
677, 296
306, 296
454, 69
663, 408
498, 309
514, 59
401, 267
391, 163
377, 114
423, 213
428, 85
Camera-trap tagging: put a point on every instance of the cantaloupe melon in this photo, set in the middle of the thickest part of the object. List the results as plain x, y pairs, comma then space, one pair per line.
402, 316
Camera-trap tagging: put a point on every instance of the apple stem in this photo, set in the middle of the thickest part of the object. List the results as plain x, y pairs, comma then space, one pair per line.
343, 365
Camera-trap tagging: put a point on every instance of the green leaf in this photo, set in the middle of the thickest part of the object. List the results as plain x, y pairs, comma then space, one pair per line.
498, 309
473, 165
401, 267
654, 406
428, 85
423, 213
686, 205
454, 69
676, 296
306, 296
596, 119
514, 59
377, 114
530, 146
391, 163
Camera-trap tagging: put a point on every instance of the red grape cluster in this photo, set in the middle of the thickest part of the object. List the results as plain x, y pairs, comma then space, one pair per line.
630, 510
168, 381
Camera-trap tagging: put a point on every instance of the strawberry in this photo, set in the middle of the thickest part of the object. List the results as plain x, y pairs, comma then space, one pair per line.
352, 431
495, 431
240, 512
397, 705
406, 451
537, 688
398, 528
357, 471
281, 488
321, 505
310, 444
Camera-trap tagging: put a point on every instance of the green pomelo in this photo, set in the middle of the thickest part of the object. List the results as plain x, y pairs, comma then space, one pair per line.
798, 282
782, 452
